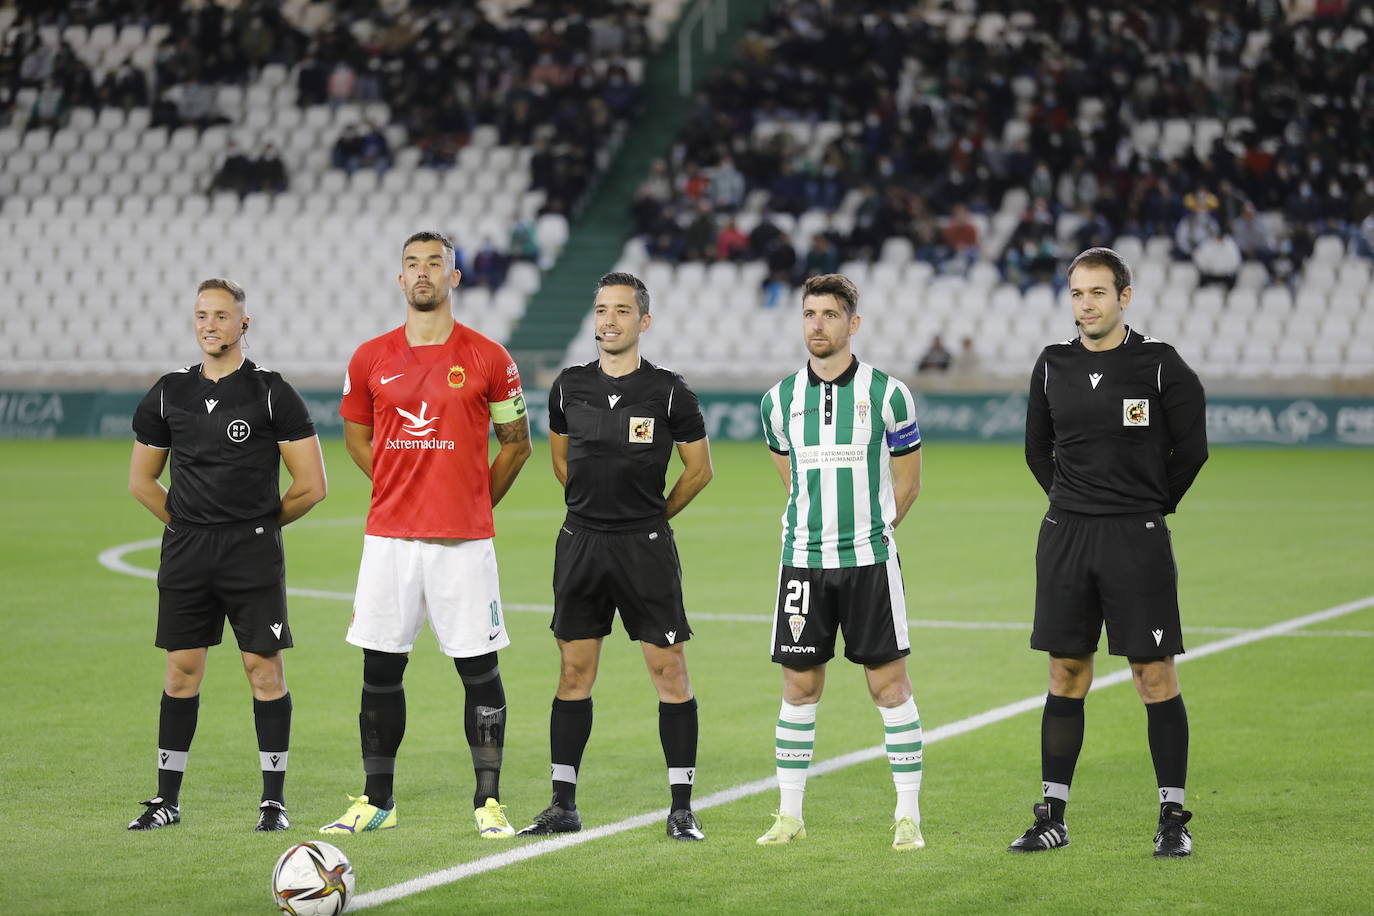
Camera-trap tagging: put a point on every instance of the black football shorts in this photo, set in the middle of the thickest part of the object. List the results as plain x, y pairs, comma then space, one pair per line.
865, 603
210, 573
597, 573
1117, 569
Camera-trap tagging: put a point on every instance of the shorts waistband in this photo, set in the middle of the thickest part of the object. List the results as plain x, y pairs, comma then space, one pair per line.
638, 526
1084, 516
269, 521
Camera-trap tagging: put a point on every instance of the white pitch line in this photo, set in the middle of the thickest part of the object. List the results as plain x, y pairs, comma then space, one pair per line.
759, 786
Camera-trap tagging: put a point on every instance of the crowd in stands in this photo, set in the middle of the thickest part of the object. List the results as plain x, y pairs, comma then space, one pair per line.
242, 174
556, 77
937, 125
205, 45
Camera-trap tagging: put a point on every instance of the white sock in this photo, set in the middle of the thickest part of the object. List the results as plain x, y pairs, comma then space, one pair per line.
794, 743
902, 730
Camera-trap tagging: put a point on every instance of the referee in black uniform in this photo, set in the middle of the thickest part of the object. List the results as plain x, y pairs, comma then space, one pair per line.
1115, 433
227, 425
613, 424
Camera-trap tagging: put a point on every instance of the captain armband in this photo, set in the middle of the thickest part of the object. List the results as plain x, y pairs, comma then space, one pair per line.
509, 410
904, 439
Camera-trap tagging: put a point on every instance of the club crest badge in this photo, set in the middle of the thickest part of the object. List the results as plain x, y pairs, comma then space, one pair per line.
861, 411
456, 377
1135, 412
798, 623
641, 429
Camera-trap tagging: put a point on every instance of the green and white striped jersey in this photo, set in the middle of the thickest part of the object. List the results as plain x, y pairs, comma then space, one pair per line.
840, 436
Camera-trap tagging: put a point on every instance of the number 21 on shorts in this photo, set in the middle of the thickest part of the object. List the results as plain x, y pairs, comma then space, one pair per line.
797, 605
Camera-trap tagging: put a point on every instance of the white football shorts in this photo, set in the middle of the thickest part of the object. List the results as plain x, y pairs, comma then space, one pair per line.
451, 582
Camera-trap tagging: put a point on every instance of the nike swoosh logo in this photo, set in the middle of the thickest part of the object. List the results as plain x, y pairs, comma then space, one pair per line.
390, 378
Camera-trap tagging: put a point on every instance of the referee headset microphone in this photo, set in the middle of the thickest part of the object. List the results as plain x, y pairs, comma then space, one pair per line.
243, 332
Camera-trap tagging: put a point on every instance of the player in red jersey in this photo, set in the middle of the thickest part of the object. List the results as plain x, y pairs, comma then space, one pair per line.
417, 402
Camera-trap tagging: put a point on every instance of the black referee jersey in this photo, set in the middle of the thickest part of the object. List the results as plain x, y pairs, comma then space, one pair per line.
621, 433
224, 439
1117, 431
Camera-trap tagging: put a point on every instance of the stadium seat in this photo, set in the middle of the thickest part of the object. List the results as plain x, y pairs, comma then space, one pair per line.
897, 250
1276, 299
1242, 301
32, 185
1152, 274
1183, 275
36, 142
1253, 275
110, 119
551, 232
195, 206
1208, 300
1158, 248
1327, 250
1129, 247
1355, 272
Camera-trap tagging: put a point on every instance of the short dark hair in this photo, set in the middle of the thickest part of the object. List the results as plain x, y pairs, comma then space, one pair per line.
1104, 257
229, 286
428, 236
837, 285
622, 278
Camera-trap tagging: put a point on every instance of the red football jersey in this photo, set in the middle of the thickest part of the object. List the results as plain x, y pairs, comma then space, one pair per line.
428, 409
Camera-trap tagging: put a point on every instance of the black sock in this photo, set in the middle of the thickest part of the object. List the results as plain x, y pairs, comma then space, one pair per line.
677, 732
484, 722
382, 722
272, 719
1061, 739
176, 726
1168, 730
570, 725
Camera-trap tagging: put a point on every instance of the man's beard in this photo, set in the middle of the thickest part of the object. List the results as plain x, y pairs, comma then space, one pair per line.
426, 306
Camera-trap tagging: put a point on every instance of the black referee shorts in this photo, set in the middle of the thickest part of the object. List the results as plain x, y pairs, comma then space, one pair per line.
1117, 569
212, 572
595, 573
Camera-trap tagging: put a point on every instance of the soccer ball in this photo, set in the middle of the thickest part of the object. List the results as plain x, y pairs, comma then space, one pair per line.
312, 879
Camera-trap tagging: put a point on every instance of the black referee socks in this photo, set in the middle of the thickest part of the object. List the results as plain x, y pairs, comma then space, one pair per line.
570, 727
1168, 728
677, 731
176, 726
272, 719
1061, 740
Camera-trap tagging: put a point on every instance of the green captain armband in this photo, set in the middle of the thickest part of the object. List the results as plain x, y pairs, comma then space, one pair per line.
508, 411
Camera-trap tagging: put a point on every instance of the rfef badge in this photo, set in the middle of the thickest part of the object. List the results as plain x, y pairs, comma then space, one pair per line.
1135, 412
641, 429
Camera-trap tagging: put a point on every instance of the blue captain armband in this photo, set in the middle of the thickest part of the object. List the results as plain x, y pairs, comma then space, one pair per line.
904, 439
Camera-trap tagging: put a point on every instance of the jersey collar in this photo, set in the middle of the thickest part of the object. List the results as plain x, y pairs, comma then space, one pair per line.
844, 378
1130, 333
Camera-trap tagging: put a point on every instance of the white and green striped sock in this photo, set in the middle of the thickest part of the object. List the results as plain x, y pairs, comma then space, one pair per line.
795, 741
902, 727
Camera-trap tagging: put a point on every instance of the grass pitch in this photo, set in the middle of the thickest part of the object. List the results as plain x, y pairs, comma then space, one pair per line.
1280, 777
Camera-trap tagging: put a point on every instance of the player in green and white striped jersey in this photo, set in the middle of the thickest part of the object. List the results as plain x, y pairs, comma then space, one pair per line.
846, 444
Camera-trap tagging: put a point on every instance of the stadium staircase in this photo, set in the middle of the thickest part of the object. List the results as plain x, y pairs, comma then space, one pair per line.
597, 235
